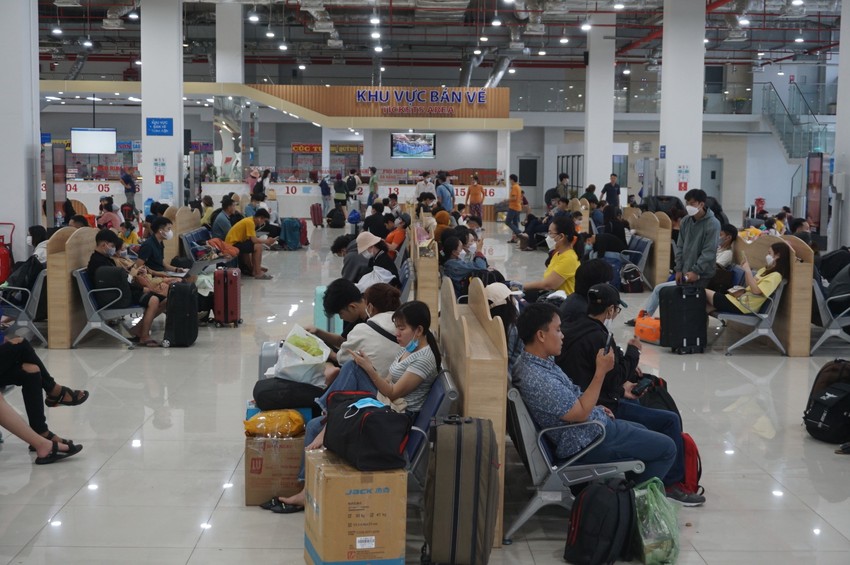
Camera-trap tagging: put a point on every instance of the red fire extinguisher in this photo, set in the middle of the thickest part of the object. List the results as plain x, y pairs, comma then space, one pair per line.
6, 260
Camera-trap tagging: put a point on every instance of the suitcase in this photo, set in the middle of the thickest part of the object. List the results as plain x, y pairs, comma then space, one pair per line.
181, 315
316, 215
683, 318
268, 357
331, 324
290, 234
461, 492
304, 241
227, 297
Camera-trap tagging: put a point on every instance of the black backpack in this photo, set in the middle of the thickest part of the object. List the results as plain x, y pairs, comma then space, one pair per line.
827, 415
630, 280
351, 185
657, 396
336, 219
279, 394
601, 524
112, 277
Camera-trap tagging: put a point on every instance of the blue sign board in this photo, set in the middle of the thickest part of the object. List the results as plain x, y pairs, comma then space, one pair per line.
45, 138
159, 126
662, 152
832, 165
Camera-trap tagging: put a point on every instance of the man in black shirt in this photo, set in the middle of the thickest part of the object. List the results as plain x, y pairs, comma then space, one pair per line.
611, 191
152, 251
375, 223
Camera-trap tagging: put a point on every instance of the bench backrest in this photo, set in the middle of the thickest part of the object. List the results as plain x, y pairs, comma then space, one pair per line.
523, 432
197, 236
438, 404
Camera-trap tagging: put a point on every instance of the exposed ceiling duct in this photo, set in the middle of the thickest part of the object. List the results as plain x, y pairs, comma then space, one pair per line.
499, 70
469, 64
439, 10
77, 67
113, 20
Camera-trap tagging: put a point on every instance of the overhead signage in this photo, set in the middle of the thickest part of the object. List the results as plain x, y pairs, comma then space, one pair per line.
124, 145
306, 147
45, 138
202, 146
421, 101
347, 148
159, 126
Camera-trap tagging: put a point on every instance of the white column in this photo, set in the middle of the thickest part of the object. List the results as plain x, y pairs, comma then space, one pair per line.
503, 155
553, 139
327, 135
842, 133
162, 101
19, 115
682, 77
599, 101
229, 43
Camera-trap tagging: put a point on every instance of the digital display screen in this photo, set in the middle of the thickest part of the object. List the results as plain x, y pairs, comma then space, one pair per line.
96, 141
413, 145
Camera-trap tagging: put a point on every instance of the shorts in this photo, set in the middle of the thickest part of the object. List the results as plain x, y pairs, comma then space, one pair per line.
244, 247
723, 304
146, 297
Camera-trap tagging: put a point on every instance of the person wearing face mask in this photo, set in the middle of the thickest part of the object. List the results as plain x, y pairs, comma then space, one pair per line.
398, 235
566, 248
243, 236
108, 219
152, 252
455, 266
37, 238
758, 287
696, 248
723, 276
375, 250
799, 227
583, 338
409, 378
128, 234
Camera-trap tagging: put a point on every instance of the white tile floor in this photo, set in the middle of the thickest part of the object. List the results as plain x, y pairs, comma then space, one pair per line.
163, 433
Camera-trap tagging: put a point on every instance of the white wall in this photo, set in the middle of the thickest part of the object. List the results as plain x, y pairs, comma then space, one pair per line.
455, 150
128, 126
768, 173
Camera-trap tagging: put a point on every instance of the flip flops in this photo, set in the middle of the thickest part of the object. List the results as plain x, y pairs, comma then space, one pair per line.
56, 455
278, 507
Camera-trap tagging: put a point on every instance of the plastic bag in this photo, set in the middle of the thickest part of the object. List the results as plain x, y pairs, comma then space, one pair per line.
657, 533
375, 276
295, 363
275, 423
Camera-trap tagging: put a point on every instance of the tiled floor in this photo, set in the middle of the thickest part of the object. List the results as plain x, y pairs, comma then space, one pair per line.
163, 436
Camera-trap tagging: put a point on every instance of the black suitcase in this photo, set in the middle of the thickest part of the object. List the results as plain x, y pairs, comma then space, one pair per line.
461, 492
684, 320
181, 315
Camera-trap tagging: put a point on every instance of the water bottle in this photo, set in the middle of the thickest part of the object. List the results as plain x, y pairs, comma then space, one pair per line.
59, 219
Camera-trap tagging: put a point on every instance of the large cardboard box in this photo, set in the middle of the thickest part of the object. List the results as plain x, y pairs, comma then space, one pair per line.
352, 516
271, 468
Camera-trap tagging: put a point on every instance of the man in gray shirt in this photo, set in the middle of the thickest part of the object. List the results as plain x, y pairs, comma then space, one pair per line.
222, 225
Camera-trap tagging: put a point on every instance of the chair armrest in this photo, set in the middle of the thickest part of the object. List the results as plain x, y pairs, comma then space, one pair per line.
581, 452
4, 300
828, 300
422, 448
626, 252
95, 290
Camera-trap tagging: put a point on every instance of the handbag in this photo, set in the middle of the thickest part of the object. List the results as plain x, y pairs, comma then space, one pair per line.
368, 434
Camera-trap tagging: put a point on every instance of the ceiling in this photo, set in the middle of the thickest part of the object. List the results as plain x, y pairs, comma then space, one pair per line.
436, 33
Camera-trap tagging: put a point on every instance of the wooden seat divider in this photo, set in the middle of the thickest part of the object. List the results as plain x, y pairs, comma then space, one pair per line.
67, 250
631, 215
475, 353
185, 219
426, 285
793, 320
657, 227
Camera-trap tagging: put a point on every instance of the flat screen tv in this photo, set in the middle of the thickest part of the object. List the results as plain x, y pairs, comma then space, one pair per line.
100, 141
413, 145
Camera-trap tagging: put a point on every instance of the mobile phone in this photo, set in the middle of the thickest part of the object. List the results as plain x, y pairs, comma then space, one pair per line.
608, 343
642, 385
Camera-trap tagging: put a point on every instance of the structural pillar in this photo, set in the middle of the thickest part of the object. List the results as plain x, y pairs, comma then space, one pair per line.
842, 137
229, 43
682, 78
162, 102
19, 114
599, 100
503, 156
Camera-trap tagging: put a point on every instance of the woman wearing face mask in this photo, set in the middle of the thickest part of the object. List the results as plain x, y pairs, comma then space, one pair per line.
758, 287
408, 378
128, 234
375, 250
108, 219
454, 264
612, 224
37, 238
565, 248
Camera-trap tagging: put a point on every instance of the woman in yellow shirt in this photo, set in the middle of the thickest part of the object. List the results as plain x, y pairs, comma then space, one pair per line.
128, 234
759, 286
561, 272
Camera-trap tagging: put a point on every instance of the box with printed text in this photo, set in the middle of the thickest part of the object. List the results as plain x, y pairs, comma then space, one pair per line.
271, 468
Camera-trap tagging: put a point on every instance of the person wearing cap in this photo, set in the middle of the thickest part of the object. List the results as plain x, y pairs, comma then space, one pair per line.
582, 339
503, 303
221, 224
398, 236
243, 236
589, 273
375, 250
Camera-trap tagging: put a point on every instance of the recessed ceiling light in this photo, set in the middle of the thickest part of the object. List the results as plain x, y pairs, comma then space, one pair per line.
94, 98
376, 35
117, 94
60, 92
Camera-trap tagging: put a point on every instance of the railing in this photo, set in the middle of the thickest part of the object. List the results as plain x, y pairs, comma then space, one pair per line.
799, 131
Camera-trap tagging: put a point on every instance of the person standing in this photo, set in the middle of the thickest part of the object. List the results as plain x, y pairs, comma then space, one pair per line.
611, 192
373, 186
696, 249
424, 184
475, 198
446, 193
327, 196
129, 184
514, 208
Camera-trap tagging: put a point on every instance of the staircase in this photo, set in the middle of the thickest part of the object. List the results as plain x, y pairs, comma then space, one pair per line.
795, 124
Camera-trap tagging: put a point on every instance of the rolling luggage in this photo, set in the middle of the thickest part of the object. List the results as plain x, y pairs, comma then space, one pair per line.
461, 492
331, 324
227, 297
290, 234
316, 214
268, 357
304, 241
683, 318
181, 315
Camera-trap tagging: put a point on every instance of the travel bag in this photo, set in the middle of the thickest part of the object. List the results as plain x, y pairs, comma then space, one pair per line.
461, 492
316, 215
112, 277
657, 397
278, 394
227, 299
693, 465
656, 539
336, 219
290, 234
304, 241
684, 320
648, 329
827, 414
181, 315
601, 524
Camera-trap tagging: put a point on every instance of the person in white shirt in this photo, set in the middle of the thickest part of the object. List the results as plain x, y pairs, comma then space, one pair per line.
424, 184
725, 256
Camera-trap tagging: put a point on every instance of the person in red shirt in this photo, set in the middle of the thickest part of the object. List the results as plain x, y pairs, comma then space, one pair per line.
398, 235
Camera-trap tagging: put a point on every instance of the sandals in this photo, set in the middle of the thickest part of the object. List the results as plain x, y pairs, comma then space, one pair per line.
278, 507
56, 455
77, 398
51, 436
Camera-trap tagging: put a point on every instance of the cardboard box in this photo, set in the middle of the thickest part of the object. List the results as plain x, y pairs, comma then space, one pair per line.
271, 468
352, 516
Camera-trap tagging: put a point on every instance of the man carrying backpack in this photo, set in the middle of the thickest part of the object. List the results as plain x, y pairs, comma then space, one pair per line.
352, 181
340, 193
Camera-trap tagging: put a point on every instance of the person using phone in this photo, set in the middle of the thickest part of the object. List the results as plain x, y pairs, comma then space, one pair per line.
583, 337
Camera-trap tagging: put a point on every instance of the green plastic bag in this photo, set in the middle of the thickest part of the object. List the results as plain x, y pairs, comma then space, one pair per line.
657, 526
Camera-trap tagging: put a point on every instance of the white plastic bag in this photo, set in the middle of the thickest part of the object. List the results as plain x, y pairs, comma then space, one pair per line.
375, 276
295, 364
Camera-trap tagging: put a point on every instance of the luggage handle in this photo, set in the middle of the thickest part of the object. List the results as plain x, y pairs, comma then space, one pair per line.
456, 419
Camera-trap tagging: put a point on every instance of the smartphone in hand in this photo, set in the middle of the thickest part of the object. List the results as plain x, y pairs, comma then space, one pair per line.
608, 343
642, 386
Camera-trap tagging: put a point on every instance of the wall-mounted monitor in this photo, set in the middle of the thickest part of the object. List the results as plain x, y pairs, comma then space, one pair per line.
413, 145
100, 141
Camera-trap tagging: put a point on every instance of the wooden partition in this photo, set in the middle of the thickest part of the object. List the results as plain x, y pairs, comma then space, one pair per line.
67, 250
426, 285
489, 212
185, 219
793, 320
631, 215
574, 205
475, 352
657, 227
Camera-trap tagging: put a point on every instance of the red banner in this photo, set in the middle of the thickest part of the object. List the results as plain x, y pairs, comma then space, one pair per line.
306, 147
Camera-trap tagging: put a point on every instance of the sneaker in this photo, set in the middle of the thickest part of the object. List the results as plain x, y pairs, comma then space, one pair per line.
685, 498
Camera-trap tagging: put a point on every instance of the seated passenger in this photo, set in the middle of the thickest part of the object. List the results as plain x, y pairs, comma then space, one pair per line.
21, 366
108, 219
152, 251
342, 298
221, 222
354, 265
243, 236
553, 399
589, 273
561, 272
758, 287
443, 219
78, 221
455, 266
375, 250
398, 235
37, 238
503, 303
128, 234
583, 338
374, 223
409, 377
46, 451
209, 208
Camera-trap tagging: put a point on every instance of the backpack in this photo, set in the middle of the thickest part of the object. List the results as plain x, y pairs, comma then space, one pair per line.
354, 217
827, 414
290, 231
339, 189
693, 465
336, 219
630, 280
601, 524
128, 212
657, 396
351, 185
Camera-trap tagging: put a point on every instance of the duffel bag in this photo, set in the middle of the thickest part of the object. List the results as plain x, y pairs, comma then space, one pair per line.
277, 394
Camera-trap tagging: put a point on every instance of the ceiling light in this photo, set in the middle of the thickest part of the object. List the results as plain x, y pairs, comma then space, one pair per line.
585, 26
799, 39
760, 54
627, 71
134, 15
253, 16
378, 49
134, 99
780, 73
619, 6
564, 40
383, 69
269, 32
117, 94
138, 62
509, 1
87, 42
476, 51
317, 125
376, 35
511, 71
57, 30
60, 92
484, 38
374, 20
542, 52
302, 66
743, 20
705, 40
94, 98
797, 2
282, 46
496, 21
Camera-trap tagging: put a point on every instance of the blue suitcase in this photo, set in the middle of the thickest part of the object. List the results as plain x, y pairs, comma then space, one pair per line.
320, 320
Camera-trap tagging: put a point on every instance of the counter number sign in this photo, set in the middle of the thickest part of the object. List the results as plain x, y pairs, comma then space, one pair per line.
159, 126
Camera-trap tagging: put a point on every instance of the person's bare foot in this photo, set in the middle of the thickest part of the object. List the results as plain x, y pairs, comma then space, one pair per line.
299, 499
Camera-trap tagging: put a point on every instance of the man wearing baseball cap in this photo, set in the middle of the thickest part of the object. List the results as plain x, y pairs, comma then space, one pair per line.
583, 337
